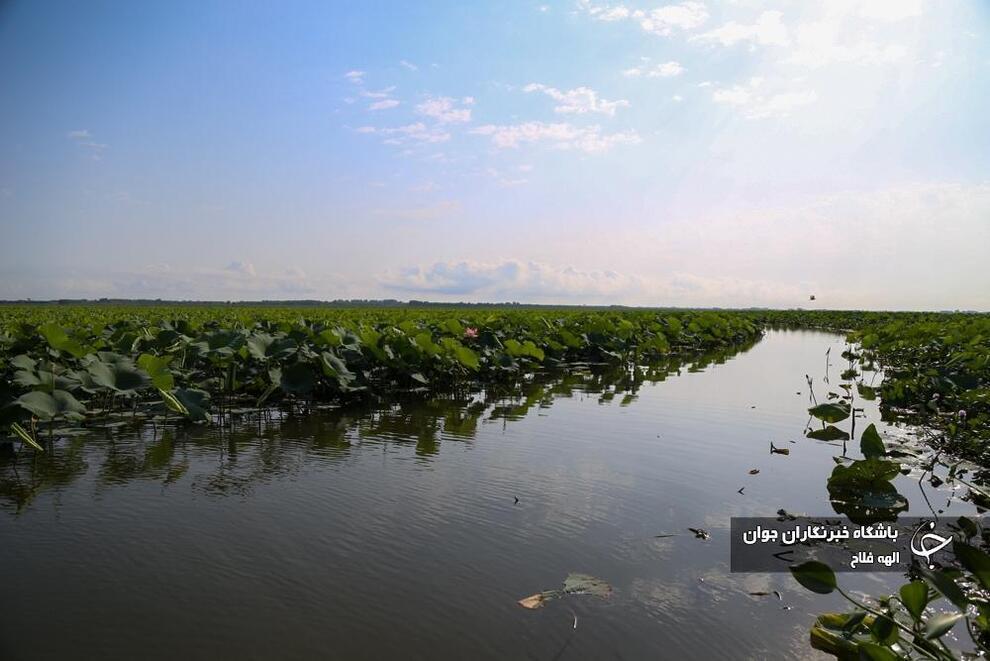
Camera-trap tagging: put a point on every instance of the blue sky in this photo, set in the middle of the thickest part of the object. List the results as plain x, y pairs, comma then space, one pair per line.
733, 153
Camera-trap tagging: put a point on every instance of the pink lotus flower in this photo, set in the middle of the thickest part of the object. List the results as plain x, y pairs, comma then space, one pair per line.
470, 332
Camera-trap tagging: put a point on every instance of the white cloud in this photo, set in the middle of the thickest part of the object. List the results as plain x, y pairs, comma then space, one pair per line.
356, 77
663, 20
506, 181
578, 101
417, 132
239, 280
755, 101
506, 279
769, 30
885, 10
380, 94
408, 65
831, 41
532, 281
83, 138
561, 135
444, 109
384, 104
662, 70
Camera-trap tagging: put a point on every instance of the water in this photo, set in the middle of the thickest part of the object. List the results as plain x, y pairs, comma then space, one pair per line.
394, 532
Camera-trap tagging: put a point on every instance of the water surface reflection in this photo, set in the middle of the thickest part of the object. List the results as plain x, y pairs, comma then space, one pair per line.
409, 529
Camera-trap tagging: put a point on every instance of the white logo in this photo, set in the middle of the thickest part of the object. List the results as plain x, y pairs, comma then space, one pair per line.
927, 552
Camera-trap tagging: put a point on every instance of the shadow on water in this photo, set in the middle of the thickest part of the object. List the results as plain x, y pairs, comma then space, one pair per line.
262, 445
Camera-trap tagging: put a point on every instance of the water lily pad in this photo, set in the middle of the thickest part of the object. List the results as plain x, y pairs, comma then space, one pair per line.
829, 433
831, 412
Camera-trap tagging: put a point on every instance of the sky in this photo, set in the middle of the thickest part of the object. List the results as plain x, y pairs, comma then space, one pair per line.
701, 153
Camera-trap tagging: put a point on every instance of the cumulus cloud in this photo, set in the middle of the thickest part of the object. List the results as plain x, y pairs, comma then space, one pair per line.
662, 70
356, 77
444, 109
406, 64
514, 279
588, 139
662, 21
578, 101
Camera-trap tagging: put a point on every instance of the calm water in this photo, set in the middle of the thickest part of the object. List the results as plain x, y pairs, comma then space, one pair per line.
394, 533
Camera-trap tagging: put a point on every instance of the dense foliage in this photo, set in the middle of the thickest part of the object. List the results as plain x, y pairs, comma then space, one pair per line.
67, 364
936, 368
949, 595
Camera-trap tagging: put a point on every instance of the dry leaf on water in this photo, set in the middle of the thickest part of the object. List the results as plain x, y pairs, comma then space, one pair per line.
533, 601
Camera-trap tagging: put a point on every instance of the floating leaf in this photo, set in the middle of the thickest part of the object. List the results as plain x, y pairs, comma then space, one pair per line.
533, 601
585, 584
866, 392
829, 433
831, 412
574, 584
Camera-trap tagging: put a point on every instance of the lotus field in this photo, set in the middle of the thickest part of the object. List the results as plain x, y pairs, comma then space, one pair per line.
63, 367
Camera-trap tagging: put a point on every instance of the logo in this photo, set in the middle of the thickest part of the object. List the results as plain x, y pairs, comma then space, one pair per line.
926, 551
